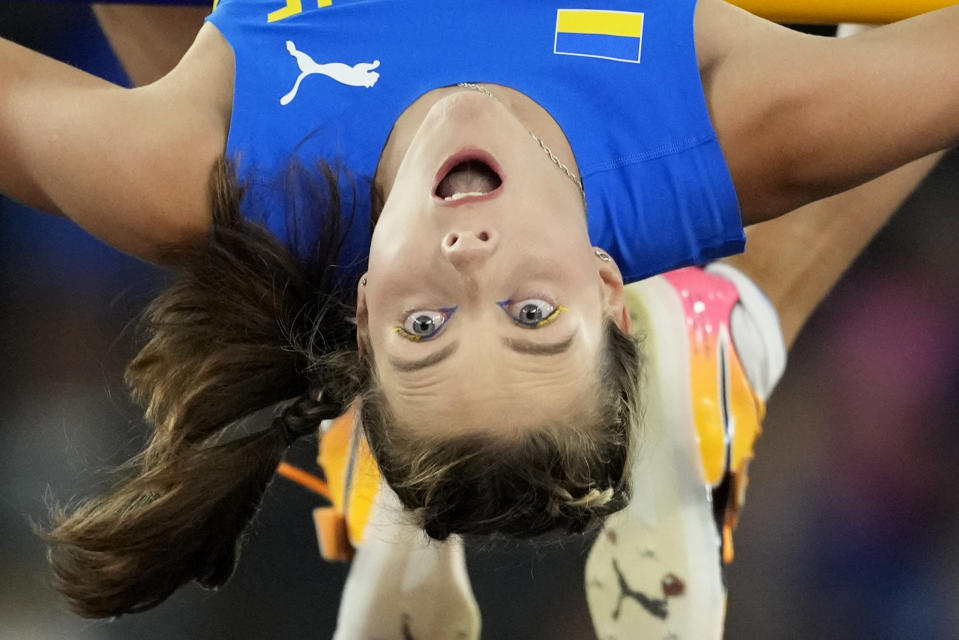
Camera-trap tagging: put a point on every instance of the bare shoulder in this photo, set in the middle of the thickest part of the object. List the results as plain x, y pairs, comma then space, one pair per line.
192, 105
801, 117
204, 76
750, 68
167, 137
159, 143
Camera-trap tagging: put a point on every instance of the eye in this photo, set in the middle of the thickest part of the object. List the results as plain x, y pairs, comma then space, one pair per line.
424, 325
531, 313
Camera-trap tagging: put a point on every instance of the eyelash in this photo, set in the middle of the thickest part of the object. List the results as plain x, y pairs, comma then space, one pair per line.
409, 336
403, 333
542, 323
545, 321
399, 329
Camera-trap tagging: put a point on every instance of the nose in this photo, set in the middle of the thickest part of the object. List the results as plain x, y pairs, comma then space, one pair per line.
467, 249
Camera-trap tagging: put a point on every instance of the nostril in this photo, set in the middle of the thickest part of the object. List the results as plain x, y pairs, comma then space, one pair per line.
451, 240
483, 236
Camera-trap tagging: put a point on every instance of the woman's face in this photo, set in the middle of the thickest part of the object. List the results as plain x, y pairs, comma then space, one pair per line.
484, 300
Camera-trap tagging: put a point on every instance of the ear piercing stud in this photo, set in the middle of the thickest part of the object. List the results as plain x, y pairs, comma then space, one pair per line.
602, 255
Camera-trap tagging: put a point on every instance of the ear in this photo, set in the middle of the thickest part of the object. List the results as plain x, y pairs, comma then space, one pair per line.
614, 295
362, 317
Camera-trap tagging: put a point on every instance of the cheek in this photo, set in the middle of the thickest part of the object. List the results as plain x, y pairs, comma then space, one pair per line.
403, 259
380, 322
392, 239
549, 209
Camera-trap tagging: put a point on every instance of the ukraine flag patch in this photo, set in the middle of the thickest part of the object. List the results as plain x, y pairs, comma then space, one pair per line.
614, 35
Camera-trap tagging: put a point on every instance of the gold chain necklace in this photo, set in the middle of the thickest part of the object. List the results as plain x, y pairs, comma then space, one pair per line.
552, 156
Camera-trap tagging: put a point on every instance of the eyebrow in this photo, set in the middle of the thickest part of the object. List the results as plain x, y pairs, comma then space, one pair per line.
518, 345
540, 348
428, 361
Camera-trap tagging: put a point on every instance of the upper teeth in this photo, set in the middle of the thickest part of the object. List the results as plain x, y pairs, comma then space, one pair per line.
458, 196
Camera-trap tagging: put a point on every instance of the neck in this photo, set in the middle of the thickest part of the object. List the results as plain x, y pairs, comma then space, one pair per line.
536, 119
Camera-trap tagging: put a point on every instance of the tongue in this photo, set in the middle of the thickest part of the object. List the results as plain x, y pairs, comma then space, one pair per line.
468, 177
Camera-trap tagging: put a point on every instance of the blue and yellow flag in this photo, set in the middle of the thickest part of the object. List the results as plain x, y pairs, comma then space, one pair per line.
614, 35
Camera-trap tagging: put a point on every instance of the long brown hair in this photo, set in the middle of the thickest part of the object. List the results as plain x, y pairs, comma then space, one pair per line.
247, 326
244, 327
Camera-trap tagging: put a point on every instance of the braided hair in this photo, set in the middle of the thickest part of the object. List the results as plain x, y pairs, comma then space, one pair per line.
245, 326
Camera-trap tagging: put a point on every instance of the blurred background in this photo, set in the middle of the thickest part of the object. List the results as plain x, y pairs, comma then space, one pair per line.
851, 528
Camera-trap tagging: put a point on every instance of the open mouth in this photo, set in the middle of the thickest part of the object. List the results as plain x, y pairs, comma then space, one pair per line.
467, 176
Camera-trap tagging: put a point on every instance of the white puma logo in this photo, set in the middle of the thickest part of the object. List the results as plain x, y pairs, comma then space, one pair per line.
359, 75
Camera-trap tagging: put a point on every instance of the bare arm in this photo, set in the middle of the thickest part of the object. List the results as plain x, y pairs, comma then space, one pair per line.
129, 165
802, 117
798, 258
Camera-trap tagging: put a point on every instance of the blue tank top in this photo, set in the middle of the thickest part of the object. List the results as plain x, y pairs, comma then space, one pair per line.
328, 79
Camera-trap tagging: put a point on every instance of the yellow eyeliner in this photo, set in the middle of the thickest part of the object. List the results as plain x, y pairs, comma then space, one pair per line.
545, 321
412, 337
406, 334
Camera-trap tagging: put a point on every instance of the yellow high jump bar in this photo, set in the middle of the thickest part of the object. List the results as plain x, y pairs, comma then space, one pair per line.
836, 11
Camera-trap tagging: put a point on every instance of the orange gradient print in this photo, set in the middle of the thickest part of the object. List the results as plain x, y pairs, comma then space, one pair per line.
727, 411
